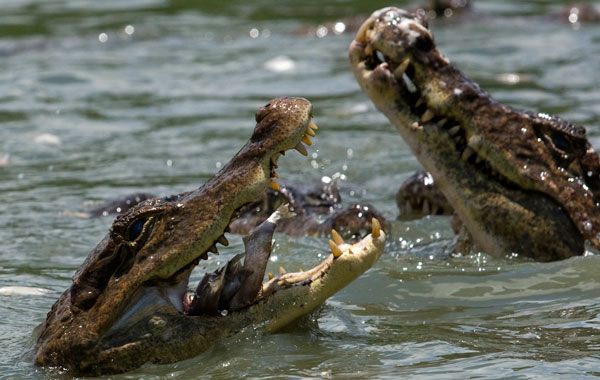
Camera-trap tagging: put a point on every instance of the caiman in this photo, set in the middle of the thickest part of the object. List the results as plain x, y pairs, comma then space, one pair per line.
521, 182
128, 303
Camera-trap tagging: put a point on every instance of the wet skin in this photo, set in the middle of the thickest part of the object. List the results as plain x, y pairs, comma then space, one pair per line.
317, 210
520, 182
128, 304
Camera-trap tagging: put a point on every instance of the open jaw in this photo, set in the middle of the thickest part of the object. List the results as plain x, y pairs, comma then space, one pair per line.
129, 302
520, 182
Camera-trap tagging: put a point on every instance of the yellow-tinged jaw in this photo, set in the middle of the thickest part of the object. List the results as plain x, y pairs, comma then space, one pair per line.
291, 295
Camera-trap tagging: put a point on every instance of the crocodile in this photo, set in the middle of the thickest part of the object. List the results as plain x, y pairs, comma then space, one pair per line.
128, 303
521, 182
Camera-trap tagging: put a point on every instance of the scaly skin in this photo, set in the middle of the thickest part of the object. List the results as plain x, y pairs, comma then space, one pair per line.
317, 208
521, 182
126, 306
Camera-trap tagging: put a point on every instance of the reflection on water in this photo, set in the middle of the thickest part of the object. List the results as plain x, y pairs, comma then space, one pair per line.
100, 99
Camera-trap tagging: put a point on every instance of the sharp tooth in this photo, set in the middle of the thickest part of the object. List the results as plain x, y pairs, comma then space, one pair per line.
350, 252
223, 240
282, 152
274, 164
468, 152
306, 140
336, 237
475, 142
204, 256
402, 68
419, 102
408, 208
415, 126
361, 35
375, 228
312, 125
227, 229
427, 115
337, 252
275, 175
310, 132
426, 208
454, 130
271, 276
274, 185
441, 123
380, 56
301, 148
409, 83
213, 249
282, 270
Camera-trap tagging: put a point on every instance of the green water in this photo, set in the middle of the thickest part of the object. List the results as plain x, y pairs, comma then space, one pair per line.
91, 109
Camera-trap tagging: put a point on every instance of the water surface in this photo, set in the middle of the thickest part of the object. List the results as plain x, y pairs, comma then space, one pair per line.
100, 99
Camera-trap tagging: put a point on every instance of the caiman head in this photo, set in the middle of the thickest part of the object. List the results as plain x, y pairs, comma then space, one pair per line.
128, 304
521, 182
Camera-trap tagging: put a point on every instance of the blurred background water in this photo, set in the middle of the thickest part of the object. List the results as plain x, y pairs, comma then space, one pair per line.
101, 99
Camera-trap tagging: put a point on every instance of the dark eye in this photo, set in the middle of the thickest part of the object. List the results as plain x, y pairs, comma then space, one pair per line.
560, 142
136, 229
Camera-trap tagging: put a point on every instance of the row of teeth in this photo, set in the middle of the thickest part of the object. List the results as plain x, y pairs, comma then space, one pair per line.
338, 247
427, 207
310, 132
469, 152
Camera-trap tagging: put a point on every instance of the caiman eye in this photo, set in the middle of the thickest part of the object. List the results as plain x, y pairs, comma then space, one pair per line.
140, 230
136, 229
560, 142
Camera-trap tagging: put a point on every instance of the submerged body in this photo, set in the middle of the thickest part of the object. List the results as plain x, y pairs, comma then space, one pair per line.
128, 304
317, 210
520, 182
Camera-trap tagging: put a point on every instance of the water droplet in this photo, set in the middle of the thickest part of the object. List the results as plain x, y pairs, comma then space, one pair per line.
587, 226
224, 312
322, 31
103, 37
129, 30
254, 33
339, 27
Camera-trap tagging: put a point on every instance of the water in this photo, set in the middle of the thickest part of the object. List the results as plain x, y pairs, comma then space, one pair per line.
169, 97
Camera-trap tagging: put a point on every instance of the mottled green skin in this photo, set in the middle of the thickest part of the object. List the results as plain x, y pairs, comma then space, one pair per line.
520, 182
131, 268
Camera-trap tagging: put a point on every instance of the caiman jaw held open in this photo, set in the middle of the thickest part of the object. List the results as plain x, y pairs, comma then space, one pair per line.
129, 305
521, 182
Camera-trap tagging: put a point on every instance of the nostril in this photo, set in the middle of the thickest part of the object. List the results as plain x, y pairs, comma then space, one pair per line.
424, 44
262, 112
